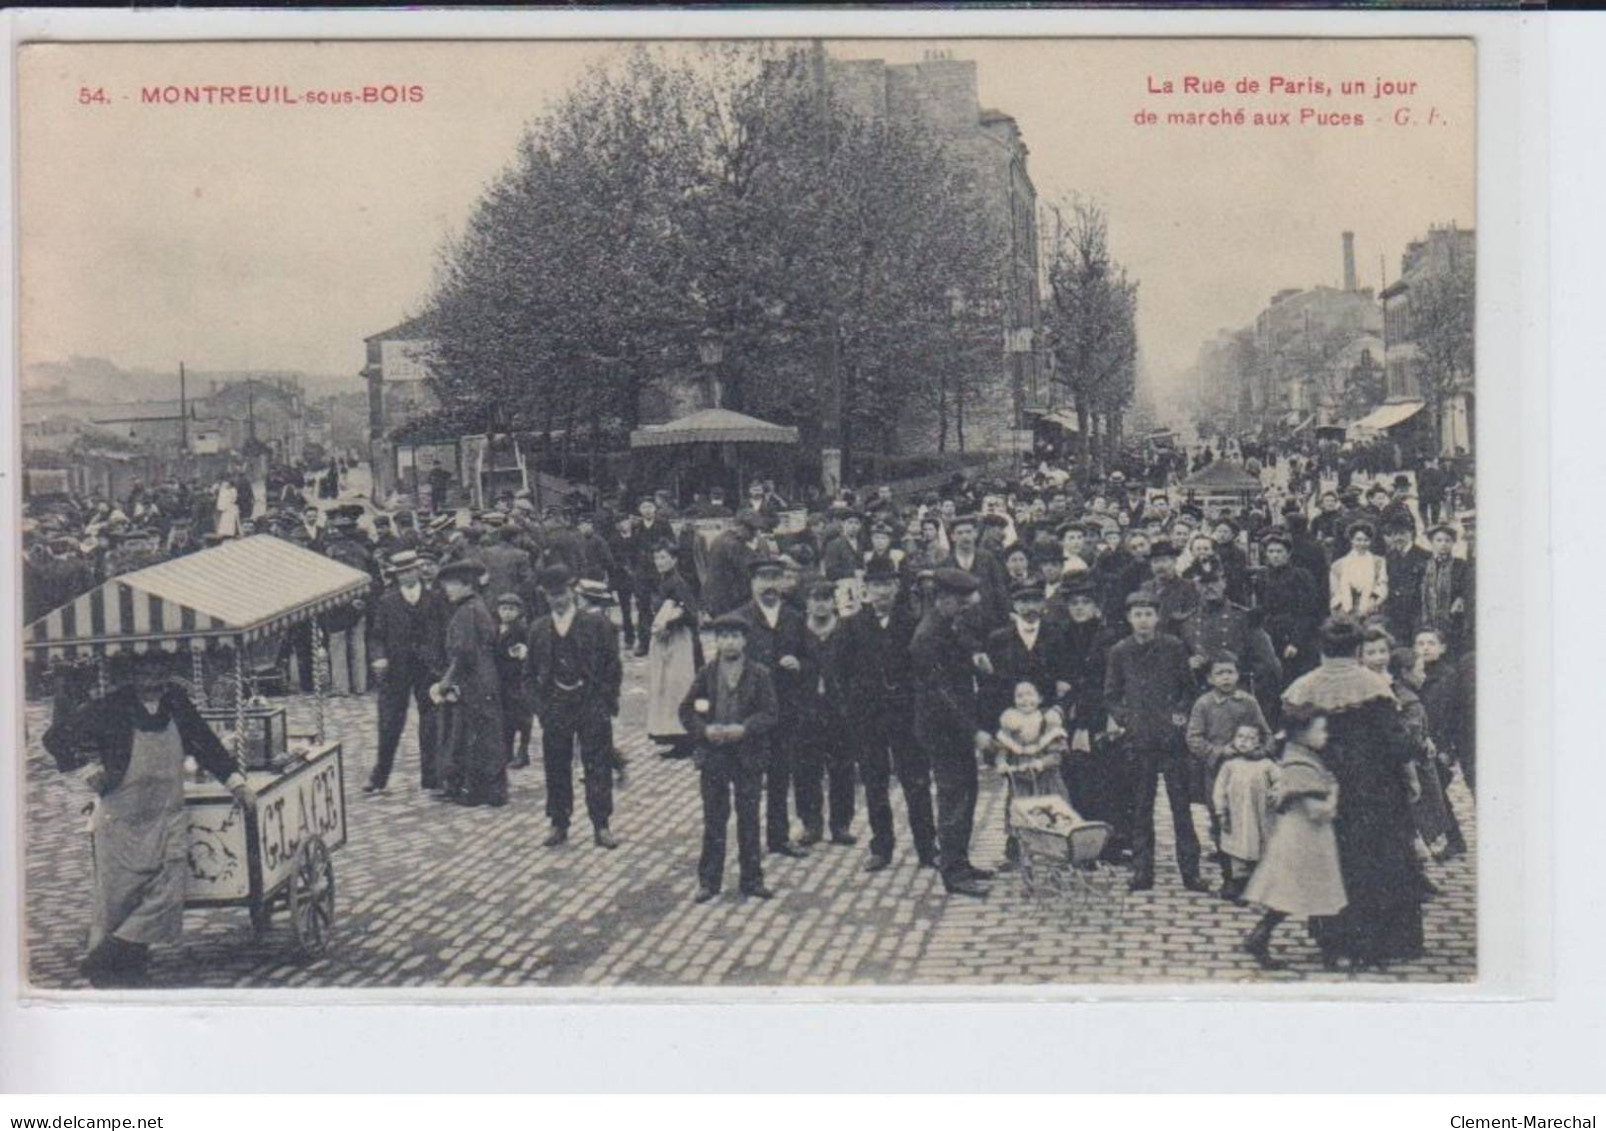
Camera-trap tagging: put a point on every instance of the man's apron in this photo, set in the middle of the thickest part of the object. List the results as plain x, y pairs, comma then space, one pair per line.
140, 842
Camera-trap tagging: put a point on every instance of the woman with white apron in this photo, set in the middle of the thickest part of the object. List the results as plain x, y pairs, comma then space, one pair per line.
674, 654
130, 745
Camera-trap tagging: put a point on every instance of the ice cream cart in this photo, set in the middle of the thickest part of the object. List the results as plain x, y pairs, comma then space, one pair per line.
223, 601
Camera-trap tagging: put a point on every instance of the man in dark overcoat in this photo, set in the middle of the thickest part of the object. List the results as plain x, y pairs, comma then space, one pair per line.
407, 650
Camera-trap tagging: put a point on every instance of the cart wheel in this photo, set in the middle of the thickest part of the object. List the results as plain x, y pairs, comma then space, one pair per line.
312, 899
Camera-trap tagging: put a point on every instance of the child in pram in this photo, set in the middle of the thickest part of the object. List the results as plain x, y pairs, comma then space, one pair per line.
1030, 744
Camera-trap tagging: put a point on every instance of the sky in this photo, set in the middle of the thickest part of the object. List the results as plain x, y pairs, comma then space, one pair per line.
279, 236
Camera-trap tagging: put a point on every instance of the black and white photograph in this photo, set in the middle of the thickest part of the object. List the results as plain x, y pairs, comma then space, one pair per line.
746, 514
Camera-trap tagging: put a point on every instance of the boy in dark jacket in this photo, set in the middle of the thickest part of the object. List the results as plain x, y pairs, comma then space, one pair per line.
512, 652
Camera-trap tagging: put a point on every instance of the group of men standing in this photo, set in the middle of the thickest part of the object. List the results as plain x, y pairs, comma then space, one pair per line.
477, 679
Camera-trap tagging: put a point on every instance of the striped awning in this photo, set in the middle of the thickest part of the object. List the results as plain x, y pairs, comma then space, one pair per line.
239, 591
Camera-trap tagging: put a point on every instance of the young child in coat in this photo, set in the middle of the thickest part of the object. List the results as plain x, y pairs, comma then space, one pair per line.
1241, 798
1213, 725
1299, 871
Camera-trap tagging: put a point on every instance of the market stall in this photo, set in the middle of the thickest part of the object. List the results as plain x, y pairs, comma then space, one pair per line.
227, 600
719, 432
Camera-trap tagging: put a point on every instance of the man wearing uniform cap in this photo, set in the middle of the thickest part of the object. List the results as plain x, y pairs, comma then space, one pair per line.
407, 649
575, 675
944, 669
1218, 625
775, 640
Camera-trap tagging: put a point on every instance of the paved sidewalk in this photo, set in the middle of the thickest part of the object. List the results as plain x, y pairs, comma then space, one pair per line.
433, 895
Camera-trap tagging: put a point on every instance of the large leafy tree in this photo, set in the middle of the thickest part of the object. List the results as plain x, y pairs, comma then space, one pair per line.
722, 195
1091, 320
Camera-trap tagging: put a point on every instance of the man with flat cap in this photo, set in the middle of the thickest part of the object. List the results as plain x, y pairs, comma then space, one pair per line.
944, 668
844, 554
1291, 608
730, 712
575, 675
1029, 648
775, 639
880, 703
991, 607
729, 556
407, 649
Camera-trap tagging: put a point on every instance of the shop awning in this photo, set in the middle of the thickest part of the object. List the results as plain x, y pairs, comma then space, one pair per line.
1065, 418
238, 591
713, 426
1304, 424
1387, 416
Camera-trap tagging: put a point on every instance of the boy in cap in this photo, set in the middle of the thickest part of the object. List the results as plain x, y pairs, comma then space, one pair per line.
1149, 691
575, 675
729, 713
512, 655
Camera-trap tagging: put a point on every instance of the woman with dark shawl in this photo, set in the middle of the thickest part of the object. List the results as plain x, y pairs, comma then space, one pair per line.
1369, 753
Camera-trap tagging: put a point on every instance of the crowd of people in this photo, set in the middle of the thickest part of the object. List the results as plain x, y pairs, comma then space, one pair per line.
1300, 663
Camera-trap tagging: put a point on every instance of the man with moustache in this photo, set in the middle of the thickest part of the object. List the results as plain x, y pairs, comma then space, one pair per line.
880, 703
944, 667
576, 676
407, 644
775, 640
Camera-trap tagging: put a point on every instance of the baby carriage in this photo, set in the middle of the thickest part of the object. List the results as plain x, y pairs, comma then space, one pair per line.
1059, 849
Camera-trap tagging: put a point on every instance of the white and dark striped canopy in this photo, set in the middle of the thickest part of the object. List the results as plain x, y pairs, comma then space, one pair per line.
233, 593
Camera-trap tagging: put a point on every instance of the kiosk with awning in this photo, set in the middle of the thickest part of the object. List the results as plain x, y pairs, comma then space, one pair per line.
721, 433
226, 598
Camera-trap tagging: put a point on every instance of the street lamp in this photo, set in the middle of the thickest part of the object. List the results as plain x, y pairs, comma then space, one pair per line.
711, 351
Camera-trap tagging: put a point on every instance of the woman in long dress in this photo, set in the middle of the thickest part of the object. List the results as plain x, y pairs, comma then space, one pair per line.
130, 745
228, 510
674, 653
1370, 755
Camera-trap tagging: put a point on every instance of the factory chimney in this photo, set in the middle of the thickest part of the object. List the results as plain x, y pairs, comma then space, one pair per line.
1349, 261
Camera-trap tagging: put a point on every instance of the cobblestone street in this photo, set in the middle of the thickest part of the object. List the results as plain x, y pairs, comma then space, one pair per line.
434, 895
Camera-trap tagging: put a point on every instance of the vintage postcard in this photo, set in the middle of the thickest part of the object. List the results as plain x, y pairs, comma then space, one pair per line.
697, 514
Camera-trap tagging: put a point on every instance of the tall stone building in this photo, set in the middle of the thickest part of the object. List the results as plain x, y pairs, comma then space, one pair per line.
940, 94
1439, 253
